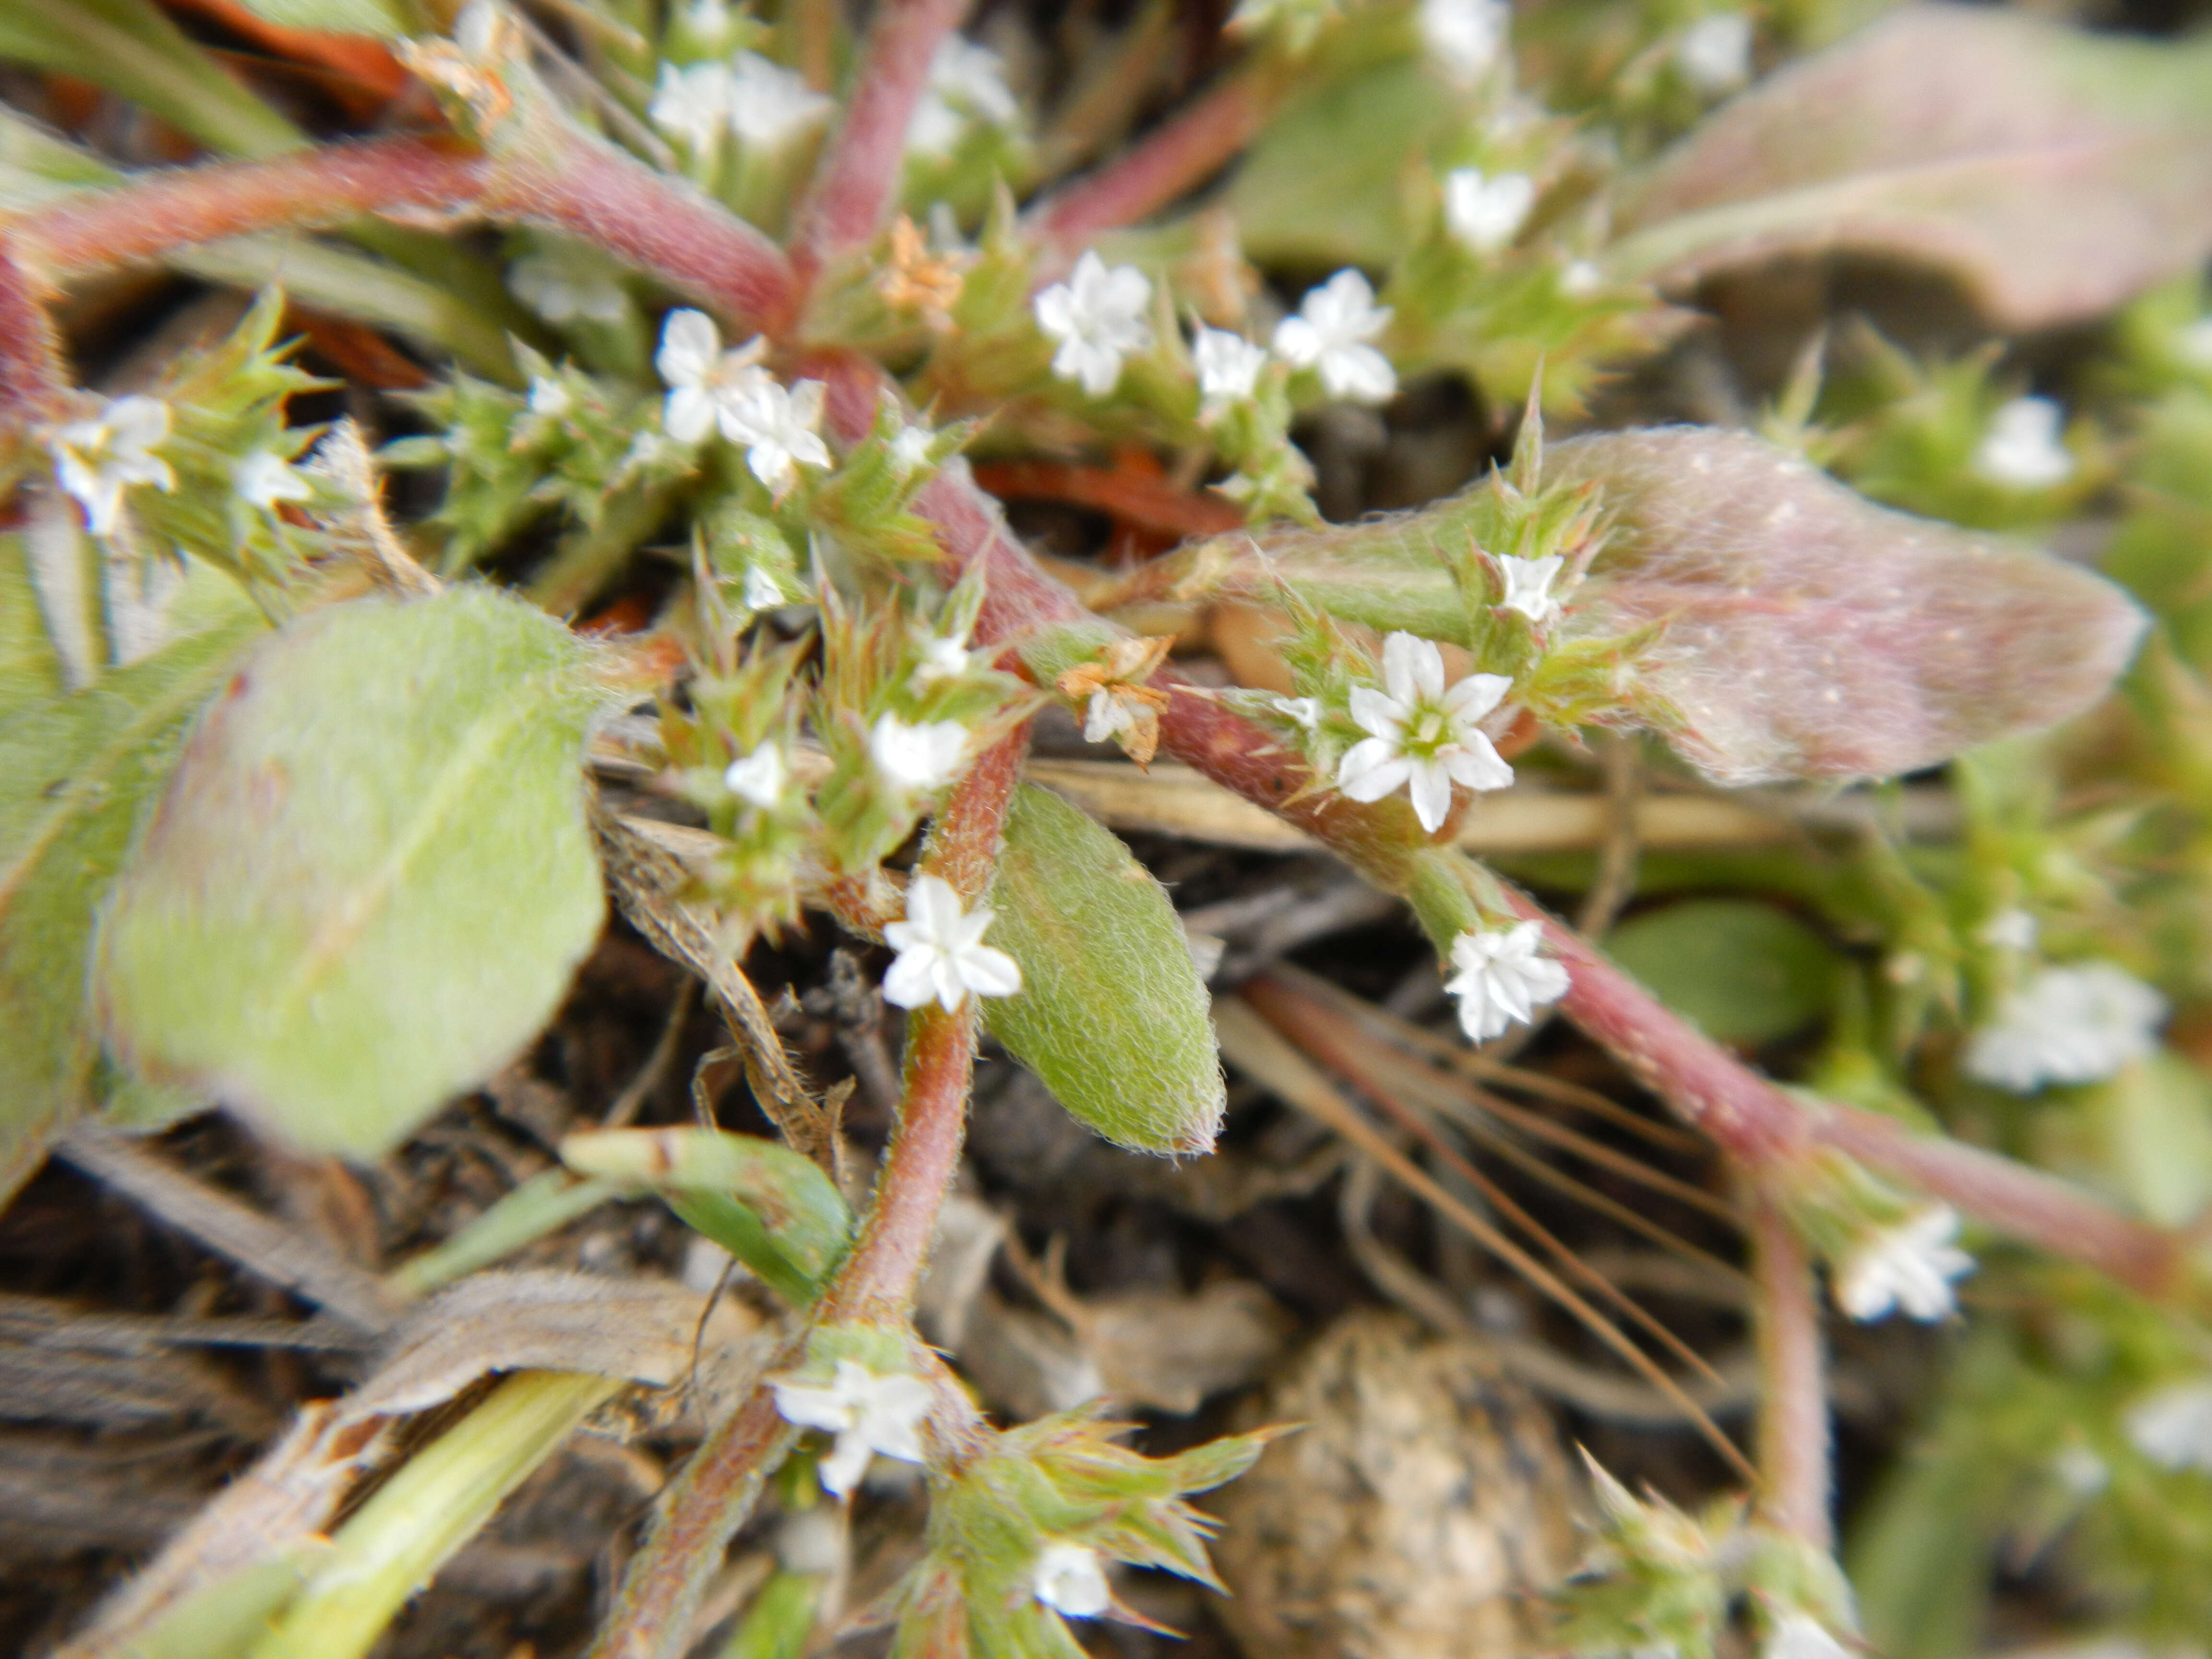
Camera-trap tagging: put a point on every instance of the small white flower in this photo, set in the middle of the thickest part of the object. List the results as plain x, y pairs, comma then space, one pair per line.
264, 478
692, 105
1801, 1636
2173, 1427
1502, 979
1097, 316
2010, 930
966, 82
1486, 214
910, 449
1109, 711
2080, 1470
917, 758
941, 953
868, 1414
1581, 278
1466, 36
759, 777
549, 399
1426, 738
944, 657
1329, 333
770, 104
97, 460
1714, 53
763, 591
1306, 711
2022, 448
709, 386
2079, 1023
1528, 586
780, 429
2194, 344
1228, 365
1069, 1580
567, 290
1908, 1268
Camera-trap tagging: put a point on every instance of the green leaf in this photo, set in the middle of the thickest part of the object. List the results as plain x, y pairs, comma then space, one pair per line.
337, 16
1112, 1014
75, 772
773, 1209
372, 876
2157, 1119
2053, 171
1744, 971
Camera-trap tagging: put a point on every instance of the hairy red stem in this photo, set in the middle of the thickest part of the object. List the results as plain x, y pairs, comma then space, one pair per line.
1170, 163
572, 182
1794, 1441
878, 1284
860, 173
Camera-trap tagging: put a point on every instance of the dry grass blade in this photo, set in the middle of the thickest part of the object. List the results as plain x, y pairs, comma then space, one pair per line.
1252, 1045
1320, 1038
647, 880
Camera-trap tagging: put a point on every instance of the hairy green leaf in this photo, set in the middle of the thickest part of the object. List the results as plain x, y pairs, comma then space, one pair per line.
75, 772
1112, 1014
371, 877
767, 1205
2053, 171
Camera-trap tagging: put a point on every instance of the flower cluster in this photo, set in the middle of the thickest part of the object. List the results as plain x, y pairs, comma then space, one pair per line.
778, 426
758, 100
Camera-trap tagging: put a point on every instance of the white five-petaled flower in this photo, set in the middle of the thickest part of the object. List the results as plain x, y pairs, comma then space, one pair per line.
769, 103
567, 291
909, 451
1305, 711
967, 81
1908, 1268
1426, 738
917, 758
97, 460
692, 103
867, 1413
264, 478
709, 386
1714, 53
2022, 447
944, 657
941, 953
1330, 334
1069, 1580
1486, 213
1099, 317
2173, 1427
758, 777
2079, 1023
782, 429
1528, 586
1799, 1635
1501, 979
1228, 365
1465, 36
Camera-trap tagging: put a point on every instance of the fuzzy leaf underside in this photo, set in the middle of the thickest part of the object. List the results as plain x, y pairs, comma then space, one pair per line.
1112, 1014
371, 877
76, 771
1810, 633
2053, 172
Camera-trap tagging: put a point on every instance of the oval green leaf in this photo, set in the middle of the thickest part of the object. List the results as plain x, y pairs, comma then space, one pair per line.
1743, 971
1112, 1014
371, 877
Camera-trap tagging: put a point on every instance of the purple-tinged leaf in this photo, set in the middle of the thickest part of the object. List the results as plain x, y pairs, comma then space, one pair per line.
1810, 633
2053, 173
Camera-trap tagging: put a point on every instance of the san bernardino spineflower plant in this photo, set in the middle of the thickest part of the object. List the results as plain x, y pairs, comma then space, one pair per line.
703, 526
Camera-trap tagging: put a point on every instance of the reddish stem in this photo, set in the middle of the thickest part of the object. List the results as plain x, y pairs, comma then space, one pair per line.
32, 381
858, 177
1794, 1442
1170, 163
569, 182
877, 1285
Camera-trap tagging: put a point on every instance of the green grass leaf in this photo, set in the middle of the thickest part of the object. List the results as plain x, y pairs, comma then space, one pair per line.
372, 876
1112, 1015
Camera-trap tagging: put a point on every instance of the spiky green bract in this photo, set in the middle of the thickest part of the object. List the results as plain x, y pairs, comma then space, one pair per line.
767, 1206
1659, 1577
867, 503
1060, 1479
371, 875
1112, 1013
78, 772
